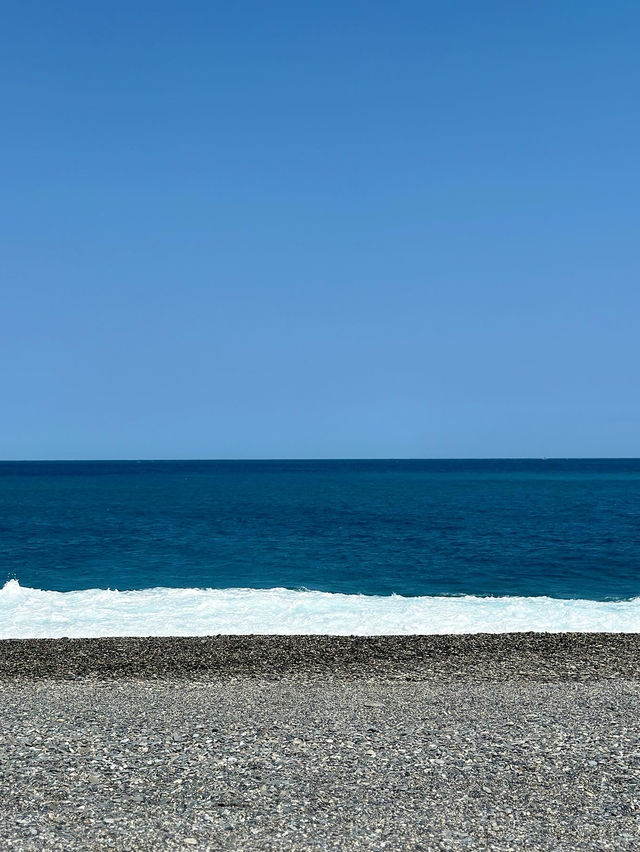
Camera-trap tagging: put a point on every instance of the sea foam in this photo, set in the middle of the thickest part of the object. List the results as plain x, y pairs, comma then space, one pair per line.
32, 613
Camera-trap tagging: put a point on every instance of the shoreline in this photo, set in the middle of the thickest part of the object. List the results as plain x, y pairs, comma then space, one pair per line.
499, 657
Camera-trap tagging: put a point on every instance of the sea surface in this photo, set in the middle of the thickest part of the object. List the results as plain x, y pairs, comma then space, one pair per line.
343, 547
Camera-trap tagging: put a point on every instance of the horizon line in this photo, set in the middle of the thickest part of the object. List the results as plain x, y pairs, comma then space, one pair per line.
318, 459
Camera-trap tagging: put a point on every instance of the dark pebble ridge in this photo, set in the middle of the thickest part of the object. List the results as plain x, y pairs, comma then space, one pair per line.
541, 657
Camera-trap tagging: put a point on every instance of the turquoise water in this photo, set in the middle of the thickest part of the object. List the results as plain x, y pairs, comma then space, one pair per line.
562, 529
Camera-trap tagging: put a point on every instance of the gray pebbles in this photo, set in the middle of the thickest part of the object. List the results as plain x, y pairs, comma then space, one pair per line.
456, 743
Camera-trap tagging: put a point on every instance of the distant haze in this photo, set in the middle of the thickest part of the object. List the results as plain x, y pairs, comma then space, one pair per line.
319, 229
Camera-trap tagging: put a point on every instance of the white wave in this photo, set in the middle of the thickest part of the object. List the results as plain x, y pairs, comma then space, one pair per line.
32, 613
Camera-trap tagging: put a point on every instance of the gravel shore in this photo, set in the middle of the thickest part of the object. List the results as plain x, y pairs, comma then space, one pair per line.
456, 743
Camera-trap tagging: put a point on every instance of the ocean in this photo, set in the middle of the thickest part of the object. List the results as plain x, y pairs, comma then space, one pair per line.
338, 547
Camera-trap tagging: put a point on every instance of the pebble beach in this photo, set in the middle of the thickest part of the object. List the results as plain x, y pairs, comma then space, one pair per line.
505, 742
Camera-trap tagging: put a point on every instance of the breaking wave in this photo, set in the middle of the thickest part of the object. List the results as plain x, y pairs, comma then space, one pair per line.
32, 613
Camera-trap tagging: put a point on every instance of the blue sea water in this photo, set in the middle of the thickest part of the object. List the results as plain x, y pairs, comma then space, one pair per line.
567, 529
552, 529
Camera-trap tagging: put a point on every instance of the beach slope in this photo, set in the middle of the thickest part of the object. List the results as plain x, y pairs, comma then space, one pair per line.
523, 741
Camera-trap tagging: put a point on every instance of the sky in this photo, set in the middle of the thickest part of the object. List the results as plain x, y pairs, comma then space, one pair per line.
319, 229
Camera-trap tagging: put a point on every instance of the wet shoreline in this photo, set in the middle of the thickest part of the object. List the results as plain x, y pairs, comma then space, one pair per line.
501, 657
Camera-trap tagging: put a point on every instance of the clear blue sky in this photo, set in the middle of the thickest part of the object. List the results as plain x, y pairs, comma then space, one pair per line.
319, 229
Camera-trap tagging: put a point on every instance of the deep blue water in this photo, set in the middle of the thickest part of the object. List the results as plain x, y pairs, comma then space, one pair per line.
568, 529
